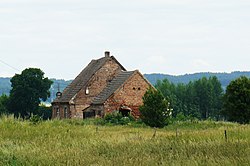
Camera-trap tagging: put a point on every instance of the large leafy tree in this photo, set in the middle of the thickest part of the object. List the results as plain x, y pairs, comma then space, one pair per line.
155, 109
236, 106
28, 89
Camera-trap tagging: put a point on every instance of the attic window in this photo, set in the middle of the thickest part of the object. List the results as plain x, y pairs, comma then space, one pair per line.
87, 91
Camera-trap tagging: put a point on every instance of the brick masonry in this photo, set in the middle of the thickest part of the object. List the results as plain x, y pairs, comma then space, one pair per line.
82, 100
130, 95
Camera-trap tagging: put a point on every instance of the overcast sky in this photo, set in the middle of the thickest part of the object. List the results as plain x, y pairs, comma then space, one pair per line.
155, 36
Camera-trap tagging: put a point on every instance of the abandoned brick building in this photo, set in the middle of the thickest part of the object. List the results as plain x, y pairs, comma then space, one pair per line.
102, 87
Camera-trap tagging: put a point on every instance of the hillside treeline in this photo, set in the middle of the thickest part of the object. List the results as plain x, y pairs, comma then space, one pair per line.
200, 99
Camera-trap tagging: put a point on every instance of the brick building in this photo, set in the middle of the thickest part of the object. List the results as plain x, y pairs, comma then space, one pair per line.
102, 87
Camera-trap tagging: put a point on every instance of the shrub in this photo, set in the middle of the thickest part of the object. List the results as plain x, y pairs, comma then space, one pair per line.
117, 118
35, 119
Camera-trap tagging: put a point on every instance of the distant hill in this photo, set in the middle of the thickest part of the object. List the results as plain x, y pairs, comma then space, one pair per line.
224, 78
5, 87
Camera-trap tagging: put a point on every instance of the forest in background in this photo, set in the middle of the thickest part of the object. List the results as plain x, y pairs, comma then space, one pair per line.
224, 78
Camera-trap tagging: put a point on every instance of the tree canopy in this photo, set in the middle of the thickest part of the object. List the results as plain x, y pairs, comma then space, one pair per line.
28, 89
236, 105
155, 109
200, 99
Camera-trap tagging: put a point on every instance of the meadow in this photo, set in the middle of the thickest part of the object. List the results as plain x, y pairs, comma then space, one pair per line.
77, 142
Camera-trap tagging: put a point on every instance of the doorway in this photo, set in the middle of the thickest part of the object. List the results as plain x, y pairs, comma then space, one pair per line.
125, 111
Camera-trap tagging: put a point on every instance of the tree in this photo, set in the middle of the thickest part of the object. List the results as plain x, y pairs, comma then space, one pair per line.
236, 106
200, 99
217, 95
28, 89
155, 109
3, 104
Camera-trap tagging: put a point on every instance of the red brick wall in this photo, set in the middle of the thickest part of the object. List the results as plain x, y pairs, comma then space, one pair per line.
130, 94
61, 107
96, 84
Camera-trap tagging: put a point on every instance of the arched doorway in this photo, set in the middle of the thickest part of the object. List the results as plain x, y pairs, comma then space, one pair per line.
125, 111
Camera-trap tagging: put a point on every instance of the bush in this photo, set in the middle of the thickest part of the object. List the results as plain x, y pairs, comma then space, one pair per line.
118, 119
35, 119
3, 104
44, 112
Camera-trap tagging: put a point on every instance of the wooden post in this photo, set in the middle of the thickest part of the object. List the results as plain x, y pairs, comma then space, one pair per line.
225, 133
154, 134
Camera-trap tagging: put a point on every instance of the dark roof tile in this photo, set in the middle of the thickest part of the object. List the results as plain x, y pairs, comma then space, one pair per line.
82, 79
116, 83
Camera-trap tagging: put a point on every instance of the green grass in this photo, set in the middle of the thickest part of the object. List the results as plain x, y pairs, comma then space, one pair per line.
76, 142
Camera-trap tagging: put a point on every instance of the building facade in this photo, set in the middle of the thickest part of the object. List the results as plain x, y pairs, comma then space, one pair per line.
102, 87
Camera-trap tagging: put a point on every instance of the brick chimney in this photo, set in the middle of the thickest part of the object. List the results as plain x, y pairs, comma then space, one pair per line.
107, 54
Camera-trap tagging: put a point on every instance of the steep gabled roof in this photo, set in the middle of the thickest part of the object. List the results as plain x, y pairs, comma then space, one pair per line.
82, 79
112, 86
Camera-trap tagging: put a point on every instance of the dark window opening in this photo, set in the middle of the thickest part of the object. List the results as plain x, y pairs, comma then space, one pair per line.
57, 112
139, 88
88, 114
133, 88
125, 113
65, 112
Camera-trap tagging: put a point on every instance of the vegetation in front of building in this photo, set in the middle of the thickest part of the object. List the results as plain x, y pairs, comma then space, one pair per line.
155, 110
59, 142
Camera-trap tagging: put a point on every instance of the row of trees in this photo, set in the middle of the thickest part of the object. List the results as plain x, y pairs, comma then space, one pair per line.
201, 99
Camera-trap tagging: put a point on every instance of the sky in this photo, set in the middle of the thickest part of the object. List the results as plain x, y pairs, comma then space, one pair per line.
155, 36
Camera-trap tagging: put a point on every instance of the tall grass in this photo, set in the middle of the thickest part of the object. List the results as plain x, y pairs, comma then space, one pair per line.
75, 142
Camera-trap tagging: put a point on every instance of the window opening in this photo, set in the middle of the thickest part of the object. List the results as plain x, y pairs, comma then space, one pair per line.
65, 112
87, 91
57, 112
125, 111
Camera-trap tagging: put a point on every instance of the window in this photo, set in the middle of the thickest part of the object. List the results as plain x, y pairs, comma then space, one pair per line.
133, 88
65, 112
139, 88
89, 114
57, 112
87, 91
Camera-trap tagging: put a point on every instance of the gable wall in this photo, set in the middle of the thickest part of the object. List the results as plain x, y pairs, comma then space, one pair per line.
130, 94
96, 84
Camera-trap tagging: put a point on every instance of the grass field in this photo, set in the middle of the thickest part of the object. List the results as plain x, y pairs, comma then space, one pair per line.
82, 143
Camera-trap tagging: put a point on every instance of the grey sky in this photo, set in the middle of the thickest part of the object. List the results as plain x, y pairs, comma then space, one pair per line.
154, 36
